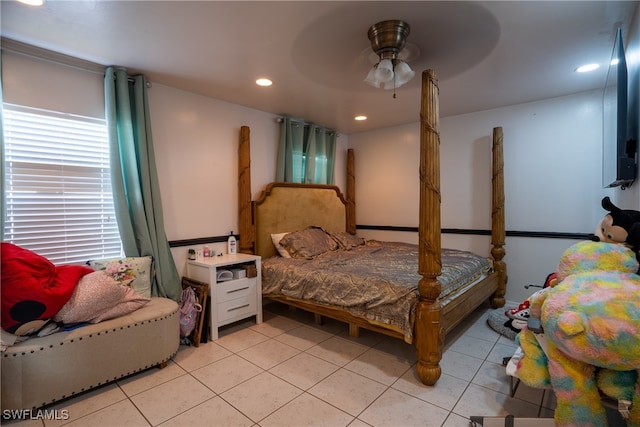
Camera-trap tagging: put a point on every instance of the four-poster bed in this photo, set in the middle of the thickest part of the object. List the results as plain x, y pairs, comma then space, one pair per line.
286, 207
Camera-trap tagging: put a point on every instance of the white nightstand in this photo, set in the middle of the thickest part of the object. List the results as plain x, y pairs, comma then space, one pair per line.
234, 299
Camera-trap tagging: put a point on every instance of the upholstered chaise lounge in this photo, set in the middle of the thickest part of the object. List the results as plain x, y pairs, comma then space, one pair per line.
40, 371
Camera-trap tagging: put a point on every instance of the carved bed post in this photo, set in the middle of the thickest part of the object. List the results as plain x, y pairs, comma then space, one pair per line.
351, 193
428, 334
247, 231
498, 232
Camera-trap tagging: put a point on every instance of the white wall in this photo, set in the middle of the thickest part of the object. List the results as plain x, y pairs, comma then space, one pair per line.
553, 179
196, 145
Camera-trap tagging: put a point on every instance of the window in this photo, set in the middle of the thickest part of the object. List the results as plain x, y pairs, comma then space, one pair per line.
58, 198
305, 153
300, 169
321, 170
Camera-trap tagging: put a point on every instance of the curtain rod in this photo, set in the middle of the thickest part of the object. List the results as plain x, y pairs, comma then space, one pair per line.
306, 124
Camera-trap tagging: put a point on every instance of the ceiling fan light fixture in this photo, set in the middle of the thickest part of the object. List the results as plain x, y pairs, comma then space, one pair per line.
387, 39
403, 73
384, 71
371, 78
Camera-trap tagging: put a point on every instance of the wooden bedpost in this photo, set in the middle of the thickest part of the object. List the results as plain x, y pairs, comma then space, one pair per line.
498, 232
351, 193
428, 333
247, 231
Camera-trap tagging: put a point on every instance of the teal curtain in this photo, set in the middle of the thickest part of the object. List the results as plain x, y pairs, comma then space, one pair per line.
306, 153
136, 190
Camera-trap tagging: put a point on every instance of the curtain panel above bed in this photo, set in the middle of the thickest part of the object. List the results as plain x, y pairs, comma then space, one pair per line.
306, 153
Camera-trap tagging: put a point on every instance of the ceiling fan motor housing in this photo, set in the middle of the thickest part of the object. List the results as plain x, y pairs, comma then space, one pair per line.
388, 37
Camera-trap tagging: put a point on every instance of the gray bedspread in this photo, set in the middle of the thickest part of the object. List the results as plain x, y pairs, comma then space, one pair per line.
377, 281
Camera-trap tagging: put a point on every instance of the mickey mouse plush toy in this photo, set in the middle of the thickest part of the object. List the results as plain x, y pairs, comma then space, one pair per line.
619, 226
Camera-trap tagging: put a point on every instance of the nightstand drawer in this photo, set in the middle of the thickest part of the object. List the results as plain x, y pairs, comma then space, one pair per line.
233, 289
239, 308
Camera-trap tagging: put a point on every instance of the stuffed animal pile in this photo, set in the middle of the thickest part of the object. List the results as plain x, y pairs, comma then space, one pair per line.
591, 328
620, 226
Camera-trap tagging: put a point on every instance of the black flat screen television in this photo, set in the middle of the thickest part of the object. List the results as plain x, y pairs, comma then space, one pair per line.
619, 149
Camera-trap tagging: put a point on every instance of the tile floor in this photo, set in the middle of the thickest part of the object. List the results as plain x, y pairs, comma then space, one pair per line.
288, 371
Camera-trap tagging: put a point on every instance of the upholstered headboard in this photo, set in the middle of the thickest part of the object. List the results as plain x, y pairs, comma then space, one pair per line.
285, 207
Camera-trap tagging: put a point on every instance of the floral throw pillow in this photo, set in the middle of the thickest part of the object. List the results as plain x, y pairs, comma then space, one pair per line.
136, 270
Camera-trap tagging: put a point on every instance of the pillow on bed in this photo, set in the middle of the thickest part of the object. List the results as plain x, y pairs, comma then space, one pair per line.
346, 240
308, 243
134, 270
97, 297
275, 238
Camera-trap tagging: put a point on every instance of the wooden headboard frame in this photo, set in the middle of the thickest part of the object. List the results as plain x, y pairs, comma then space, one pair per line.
429, 313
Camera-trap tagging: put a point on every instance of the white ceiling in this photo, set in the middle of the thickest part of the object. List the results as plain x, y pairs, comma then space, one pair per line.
486, 54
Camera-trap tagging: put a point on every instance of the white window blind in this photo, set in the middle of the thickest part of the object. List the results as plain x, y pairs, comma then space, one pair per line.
58, 197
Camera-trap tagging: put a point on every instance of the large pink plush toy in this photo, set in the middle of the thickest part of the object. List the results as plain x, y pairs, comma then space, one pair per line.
591, 319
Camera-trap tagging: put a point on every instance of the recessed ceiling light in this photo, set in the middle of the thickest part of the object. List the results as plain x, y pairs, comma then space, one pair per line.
360, 118
264, 82
586, 68
32, 2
